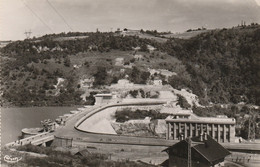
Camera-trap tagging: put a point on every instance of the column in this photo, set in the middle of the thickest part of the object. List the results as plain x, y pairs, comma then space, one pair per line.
185, 130
229, 133
191, 130
168, 131
213, 131
179, 131
174, 131
196, 129
224, 133
218, 133
207, 129
201, 129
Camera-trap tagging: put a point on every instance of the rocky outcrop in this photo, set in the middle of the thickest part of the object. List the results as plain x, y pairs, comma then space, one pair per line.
134, 129
144, 128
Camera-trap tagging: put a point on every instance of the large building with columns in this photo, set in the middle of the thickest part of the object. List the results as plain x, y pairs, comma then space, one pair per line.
183, 125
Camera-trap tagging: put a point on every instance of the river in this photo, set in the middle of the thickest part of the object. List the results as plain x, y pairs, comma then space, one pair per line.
13, 120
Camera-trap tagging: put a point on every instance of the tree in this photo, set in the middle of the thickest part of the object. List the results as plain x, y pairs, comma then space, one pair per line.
45, 85
100, 76
144, 48
139, 77
183, 102
133, 93
67, 61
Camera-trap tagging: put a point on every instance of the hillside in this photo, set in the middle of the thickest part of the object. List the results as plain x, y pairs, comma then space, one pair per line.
223, 64
220, 66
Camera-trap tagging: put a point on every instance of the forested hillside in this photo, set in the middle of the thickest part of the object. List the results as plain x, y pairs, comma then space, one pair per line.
224, 64
220, 66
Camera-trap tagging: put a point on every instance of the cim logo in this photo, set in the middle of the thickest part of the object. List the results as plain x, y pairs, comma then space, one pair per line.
10, 159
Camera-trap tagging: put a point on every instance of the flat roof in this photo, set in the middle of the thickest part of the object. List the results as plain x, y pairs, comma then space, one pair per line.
200, 121
103, 95
196, 119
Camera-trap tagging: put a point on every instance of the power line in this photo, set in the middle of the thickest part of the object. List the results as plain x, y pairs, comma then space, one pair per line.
37, 16
57, 12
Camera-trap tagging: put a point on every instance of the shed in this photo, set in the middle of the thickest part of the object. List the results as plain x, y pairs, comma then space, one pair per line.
83, 153
205, 152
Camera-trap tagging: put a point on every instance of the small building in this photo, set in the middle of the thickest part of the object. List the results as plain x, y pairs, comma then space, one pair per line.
104, 98
202, 150
151, 48
87, 82
129, 32
163, 72
157, 82
138, 57
83, 153
119, 61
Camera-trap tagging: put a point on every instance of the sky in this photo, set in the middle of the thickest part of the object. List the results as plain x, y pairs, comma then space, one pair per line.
54, 16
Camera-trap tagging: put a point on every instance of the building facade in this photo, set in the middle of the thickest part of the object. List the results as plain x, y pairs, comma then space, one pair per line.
101, 99
181, 126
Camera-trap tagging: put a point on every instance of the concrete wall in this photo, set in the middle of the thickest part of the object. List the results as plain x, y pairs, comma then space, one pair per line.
27, 132
62, 142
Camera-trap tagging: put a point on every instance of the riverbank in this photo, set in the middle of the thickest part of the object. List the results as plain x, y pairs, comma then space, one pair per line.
9, 105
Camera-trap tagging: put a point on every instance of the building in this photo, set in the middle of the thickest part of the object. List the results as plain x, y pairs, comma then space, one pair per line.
222, 129
151, 48
119, 61
87, 82
83, 153
4, 43
157, 82
138, 57
123, 84
104, 98
163, 72
202, 150
129, 32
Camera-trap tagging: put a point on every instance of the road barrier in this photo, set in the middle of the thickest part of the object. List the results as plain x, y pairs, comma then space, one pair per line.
36, 140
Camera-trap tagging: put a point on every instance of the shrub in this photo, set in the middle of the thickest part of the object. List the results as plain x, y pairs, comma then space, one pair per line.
183, 102
133, 93
100, 76
128, 114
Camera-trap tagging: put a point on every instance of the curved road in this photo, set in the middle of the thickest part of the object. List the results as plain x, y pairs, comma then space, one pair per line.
70, 131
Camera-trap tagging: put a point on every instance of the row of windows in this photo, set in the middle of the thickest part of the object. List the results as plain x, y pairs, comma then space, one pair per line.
199, 126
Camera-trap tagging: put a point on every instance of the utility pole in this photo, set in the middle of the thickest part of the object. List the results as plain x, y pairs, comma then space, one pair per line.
190, 145
189, 152
28, 34
251, 127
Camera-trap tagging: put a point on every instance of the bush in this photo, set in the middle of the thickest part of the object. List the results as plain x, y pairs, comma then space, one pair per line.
139, 77
66, 159
128, 114
100, 76
183, 102
133, 93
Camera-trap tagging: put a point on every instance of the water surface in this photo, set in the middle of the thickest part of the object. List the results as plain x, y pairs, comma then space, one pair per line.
13, 120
